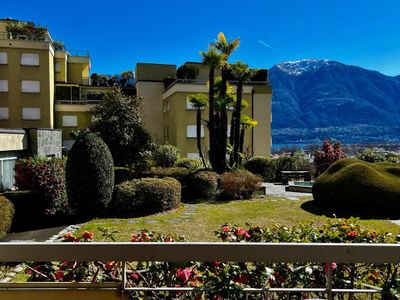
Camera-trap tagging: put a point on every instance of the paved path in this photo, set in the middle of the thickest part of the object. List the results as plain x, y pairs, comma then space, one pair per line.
276, 189
41, 235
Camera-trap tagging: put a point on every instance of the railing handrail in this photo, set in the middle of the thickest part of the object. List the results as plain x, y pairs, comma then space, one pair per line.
202, 82
240, 252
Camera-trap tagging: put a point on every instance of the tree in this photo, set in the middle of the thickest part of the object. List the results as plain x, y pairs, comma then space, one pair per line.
241, 73
89, 175
59, 46
126, 78
246, 122
214, 60
199, 101
119, 123
225, 48
187, 72
327, 155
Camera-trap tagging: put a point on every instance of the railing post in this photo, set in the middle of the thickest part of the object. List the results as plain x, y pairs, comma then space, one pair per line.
329, 279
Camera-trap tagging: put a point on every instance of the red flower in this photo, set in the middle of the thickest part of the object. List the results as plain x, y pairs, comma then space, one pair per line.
333, 265
217, 297
216, 264
59, 275
87, 235
240, 231
352, 233
226, 229
69, 237
135, 276
242, 279
184, 274
109, 265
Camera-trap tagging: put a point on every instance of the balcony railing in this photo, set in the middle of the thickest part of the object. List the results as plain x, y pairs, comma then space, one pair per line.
81, 102
180, 252
170, 82
25, 37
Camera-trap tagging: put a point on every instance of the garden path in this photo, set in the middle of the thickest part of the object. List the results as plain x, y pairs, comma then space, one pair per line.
277, 189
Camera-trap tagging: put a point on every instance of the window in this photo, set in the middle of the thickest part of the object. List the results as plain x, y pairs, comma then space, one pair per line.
193, 155
58, 67
7, 173
70, 121
30, 86
3, 85
4, 113
191, 131
29, 59
3, 58
31, 113
68, 143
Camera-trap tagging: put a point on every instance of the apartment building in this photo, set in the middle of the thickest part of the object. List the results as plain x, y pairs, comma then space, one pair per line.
41, 87
171, 118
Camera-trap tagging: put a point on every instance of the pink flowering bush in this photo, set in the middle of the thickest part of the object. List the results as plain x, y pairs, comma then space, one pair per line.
226, 280
46, 177
327, 155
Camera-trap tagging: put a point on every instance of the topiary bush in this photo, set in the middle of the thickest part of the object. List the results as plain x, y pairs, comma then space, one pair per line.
46, 177
189, 163
358, 186
201, 185
166, 155
124, 202
157, 195
239, 184
180, 174
90, 175
6, 215
263, 167
121, 174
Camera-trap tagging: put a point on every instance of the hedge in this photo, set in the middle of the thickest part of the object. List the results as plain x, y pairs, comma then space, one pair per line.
6, 215
201, 185
90, 175
263, 167
166, 155
189, 163
239, 184
357, 185
121, 174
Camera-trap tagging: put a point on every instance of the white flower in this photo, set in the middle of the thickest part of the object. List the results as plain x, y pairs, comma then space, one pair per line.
308, 270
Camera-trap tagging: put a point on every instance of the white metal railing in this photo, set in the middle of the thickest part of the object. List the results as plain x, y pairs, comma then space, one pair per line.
181, 252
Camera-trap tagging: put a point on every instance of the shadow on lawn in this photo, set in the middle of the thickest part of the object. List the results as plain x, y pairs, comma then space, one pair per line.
313, 207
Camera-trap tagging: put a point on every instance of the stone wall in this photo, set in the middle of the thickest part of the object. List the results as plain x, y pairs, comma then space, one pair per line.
45, 142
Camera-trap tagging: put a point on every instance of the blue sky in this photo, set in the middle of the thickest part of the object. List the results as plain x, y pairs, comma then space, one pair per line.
118, 34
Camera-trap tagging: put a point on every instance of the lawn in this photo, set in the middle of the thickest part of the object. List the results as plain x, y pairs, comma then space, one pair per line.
197, 222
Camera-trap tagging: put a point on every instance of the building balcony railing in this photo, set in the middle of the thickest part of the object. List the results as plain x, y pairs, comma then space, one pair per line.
202, 252
170, 82
81, 53
79, 102
26, 37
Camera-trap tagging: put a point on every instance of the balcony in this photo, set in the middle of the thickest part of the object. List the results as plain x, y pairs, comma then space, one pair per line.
178, 252
26, 36
74, 94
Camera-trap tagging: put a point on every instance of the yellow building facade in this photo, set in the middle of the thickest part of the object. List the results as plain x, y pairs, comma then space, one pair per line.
171, 119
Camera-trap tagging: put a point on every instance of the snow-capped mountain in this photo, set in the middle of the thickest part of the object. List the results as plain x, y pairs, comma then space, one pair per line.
314, 94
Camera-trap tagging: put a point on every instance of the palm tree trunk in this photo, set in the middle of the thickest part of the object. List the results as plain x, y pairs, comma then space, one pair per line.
237, 114
211, 119
198, 135
222, 127
232, 138
241, 141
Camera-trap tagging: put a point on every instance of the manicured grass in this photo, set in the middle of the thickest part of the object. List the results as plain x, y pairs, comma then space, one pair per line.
209, 216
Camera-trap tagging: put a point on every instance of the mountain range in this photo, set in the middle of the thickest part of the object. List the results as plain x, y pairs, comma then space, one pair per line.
315, 99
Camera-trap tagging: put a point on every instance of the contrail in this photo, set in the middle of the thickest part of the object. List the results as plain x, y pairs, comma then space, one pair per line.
266, 45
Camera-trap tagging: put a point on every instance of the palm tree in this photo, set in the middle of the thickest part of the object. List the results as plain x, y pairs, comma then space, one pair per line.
226, 48
242, 73
246, 122
214, 60
199, 101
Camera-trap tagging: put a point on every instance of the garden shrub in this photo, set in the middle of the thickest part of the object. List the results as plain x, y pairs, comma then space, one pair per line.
359, 186
157, 195
180, 174
124, 201
189, 163
166, 155
327, 155
263, 167
371, 156
6, 215
239, 184
45, 176
121, 174
201, 185
90, 175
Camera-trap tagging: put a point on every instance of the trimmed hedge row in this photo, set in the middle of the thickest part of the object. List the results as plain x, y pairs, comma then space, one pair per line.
146, 195
6, 215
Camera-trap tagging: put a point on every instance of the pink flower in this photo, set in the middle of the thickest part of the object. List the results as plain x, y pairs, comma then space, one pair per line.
135, 276
333, 266
184, 274
226, 229
352, 233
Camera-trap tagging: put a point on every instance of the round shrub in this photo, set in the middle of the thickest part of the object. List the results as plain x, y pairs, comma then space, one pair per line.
180, 174
124, 199
6, 215
262, 166
202, 185
90, 175
356, 186
157, 195
189, 163
166, 155
239, 184
121, 174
